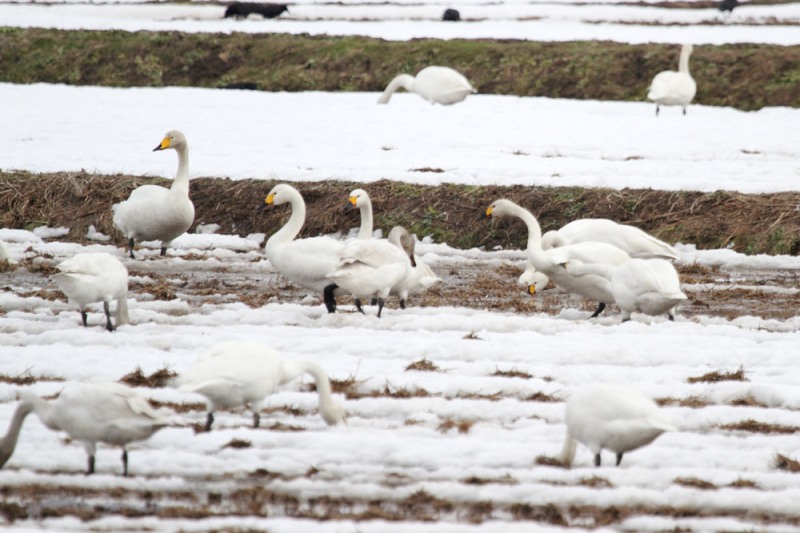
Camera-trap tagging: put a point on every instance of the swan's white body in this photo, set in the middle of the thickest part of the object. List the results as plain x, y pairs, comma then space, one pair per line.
611, 417
549, 262
437, 85
306, 262
153, 213
369, 268
649, 286
88, 278
674, 88
629, 239
234, 374
359, 198
90, 413
420, 276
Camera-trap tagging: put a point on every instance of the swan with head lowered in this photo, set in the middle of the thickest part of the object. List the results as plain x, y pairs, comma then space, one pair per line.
90, 413
306, 262
611, 417
95, 277
153, 213
548, 262
674, 88
649, 286
437, 85
234, 374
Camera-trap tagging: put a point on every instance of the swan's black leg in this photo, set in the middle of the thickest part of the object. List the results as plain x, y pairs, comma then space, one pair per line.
256, 419
83, 318
599, 310
597, 459
374, 301
402, 304
209, 421
358, 306
671, 317
684, 110
329, 298
131, 244
656, 109
109, 326
619, 458
626, 320
91, 465
124, 462
380, 306
163, 250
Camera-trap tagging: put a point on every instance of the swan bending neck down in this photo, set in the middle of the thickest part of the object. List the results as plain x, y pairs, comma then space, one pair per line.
360, 199
90, 413
437, 85
234, 374
649, 286
611, 417
305, 262
95, 277
154, 213
549, 262
674, 88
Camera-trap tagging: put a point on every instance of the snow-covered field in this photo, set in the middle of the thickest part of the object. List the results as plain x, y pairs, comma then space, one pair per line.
448, 449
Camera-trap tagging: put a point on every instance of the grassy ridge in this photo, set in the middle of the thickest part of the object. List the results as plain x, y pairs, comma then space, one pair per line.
746, 76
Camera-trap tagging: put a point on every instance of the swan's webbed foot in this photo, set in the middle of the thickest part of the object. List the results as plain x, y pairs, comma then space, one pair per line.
374, 301
671, 317
124, 462
597, 459
83, 318
209, 421
109, 325
329, 298
358, 306
163, 251
619, 458
131, 244
599, 310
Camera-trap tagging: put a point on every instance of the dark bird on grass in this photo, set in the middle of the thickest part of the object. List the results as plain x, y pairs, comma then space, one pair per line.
241, 10
451, 14
728, 5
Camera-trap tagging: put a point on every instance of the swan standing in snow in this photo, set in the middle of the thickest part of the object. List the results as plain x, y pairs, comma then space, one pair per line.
650, 286
611, 417
95, 277
154, 213
548, 262
234, 374
359, 198
90, 413
370, 268
437, 85
420, 276
306, 262
674, 88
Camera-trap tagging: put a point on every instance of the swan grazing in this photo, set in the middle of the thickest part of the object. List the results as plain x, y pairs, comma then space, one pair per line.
370, 268
95, 277
548, 262
90, 413
153, 213
437, 85
674, 88
420, 276
649, 286
306, 262
234, 374
359, 198
611, 417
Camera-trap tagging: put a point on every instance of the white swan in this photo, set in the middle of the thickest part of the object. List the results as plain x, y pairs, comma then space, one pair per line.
548, 262
234, 374
370, 268
437, 85
90, 413
95, 277
359, 198
649, 286
153, 213
306, 262
611, 417
420, 276
674, 88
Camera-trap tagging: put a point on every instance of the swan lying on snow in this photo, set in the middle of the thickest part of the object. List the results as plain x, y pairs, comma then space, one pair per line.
674, 88
306, 262
90, 413
153, 213
549, 262
234, 374
420, 276
95, 277
437, 85
650, 286
611, 417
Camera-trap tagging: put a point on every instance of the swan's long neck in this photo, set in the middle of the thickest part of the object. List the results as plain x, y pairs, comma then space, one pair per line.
534, 230
9, 442
295, 223
568, 451
180, 185
294, 369
365, 231
683, 64
405, 81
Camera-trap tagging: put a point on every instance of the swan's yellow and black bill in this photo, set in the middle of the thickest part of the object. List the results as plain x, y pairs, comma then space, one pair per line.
269, 201
353, 201
487, 214
164, 144
532, 289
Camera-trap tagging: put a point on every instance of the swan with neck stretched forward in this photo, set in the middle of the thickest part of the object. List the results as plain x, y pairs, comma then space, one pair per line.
90, 413
234, 374
611, 417
306, 262
437, 85
154, 213
649, 286
674, 88
95, 277
548, 262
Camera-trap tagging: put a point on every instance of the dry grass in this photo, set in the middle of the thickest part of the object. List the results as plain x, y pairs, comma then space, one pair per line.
26, 378
423, 365
512, 373
238, 444
783, 462
463, 426
695, 483
595, 482
744, 484
719, 375
754, 426
541, 397
157, 380
694, 402
545, 460
505, 480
